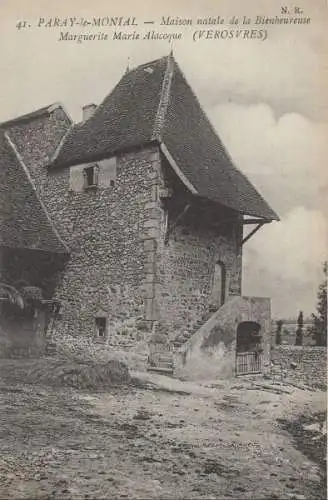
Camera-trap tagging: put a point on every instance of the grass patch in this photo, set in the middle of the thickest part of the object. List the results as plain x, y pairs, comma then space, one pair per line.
65, 372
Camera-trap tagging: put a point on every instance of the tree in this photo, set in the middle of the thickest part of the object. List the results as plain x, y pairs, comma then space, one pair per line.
279, 324
299, 330
12, 295
319, 319
23, 297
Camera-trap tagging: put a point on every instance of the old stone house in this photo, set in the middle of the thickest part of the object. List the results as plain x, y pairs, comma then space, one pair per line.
32, 252
145, 213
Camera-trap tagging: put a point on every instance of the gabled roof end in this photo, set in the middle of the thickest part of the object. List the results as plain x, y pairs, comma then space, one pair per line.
44, 111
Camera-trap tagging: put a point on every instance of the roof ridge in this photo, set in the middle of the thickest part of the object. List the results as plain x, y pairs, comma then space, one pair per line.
144, 65
164, 98
59, 146
44, 110
154, 102
80, 124
30, 180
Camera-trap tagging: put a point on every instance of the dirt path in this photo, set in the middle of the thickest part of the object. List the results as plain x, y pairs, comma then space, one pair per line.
167, 439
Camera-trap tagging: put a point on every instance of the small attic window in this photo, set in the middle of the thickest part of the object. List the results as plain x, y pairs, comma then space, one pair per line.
90, 176
149, 69
101, 326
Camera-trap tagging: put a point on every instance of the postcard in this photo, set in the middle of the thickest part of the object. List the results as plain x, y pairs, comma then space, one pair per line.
163, 249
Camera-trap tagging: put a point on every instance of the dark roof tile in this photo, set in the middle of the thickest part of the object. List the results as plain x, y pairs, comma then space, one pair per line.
124, 119
24, 221
200, 154
44, 111
155, 102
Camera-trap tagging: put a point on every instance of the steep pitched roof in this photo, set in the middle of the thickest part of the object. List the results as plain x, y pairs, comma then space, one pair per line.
125, 118
44, 111
24, 221
154, 102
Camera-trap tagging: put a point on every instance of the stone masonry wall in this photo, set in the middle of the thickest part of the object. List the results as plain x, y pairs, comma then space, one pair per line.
112, 234
36, 141
119, 267
186, 271
211, 352
300, 364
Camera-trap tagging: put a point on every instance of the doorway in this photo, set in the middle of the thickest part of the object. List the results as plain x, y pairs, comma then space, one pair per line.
248, 348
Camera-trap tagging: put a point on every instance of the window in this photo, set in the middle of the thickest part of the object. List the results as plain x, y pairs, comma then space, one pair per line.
101, 326
90, 176
219, 285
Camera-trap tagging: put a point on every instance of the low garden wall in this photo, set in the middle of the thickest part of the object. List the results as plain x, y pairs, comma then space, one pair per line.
300, 364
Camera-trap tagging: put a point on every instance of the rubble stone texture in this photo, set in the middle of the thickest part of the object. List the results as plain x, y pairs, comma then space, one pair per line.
120, 263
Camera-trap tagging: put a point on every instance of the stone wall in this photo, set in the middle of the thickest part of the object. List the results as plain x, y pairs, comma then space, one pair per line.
120, 265
86, 349
300, 364
186, 270
211, 351
37, 140
112, 233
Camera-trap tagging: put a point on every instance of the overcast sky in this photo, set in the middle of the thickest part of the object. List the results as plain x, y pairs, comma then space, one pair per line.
267, 100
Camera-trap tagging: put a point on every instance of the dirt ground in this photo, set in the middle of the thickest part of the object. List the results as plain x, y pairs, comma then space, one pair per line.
161, 439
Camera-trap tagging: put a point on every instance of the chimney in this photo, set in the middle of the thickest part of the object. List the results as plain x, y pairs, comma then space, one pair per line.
88, 110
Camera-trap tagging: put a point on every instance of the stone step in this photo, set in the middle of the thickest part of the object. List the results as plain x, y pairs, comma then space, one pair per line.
160, 360
161, 365
160, 369
164, 358
185, 336
177, 343
51, 348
